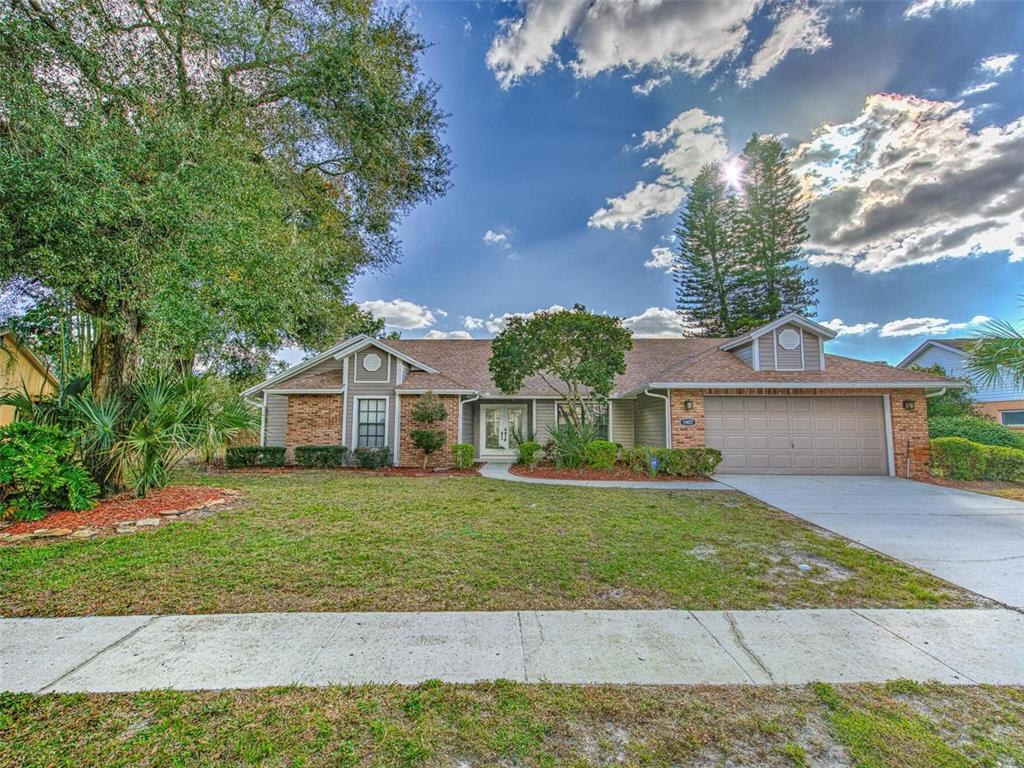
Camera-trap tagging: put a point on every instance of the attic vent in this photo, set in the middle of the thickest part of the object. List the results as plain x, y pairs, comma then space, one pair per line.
371, 362
789, 339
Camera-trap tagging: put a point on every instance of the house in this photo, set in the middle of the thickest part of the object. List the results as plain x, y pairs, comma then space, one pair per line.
21, 371
1003, 401
771, 400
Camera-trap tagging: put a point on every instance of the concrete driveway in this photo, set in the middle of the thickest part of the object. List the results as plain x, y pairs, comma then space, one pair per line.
970, 539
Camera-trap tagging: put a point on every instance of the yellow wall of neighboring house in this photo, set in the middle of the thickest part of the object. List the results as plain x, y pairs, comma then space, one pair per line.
20, 371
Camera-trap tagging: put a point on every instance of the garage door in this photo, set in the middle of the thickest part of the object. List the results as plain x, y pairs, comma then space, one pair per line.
798, 435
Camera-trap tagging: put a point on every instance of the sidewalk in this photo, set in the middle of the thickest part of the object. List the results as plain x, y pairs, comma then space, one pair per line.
129, 653
500, 471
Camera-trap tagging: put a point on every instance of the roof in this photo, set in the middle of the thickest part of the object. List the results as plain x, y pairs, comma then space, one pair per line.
31, 356
792, 318
957, 346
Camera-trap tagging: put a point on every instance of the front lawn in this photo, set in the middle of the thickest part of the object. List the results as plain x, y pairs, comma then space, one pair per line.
508, 724
322, 541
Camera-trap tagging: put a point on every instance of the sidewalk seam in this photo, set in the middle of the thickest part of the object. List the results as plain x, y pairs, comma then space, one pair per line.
522, 646
738, 636
101, 651
316, 654
728, 653
912, 645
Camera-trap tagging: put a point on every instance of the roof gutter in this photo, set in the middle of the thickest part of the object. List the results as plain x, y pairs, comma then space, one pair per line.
936, 393
705, 385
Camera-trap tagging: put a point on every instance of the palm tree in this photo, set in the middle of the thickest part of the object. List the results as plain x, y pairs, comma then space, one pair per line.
998, 354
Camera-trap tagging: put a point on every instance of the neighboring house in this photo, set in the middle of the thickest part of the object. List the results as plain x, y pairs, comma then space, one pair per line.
1003, 401
21, 371
771, 400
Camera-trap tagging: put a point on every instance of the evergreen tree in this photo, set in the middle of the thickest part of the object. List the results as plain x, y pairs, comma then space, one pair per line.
705, 271
771, 228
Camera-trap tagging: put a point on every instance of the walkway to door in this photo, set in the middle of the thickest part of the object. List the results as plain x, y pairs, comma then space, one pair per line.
970, 539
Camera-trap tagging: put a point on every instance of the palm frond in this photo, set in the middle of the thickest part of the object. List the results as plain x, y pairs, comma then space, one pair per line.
998, 354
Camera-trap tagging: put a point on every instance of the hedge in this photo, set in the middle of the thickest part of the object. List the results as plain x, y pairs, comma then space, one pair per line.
976, 429
959, 459
372, 458
253, 456
600, 454
688, 462
321, 455
526, 452
462, 456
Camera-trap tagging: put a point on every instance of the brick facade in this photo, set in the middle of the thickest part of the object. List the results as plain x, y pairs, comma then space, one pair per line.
313, 420
411, 456
909, 427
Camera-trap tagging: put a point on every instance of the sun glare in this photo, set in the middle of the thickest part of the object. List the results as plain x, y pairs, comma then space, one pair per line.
732, 172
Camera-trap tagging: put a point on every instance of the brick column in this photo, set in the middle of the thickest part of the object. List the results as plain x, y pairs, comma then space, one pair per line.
411, 456
687, 437
313, 420
910, 434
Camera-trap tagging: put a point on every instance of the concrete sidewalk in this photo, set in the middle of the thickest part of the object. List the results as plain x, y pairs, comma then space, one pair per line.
130, 653
497, 470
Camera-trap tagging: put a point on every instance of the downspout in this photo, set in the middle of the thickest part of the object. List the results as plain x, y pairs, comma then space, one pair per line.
936, 393
462, 403
263, 421
668, 416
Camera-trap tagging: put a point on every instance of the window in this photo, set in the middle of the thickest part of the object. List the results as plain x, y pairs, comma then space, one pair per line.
593, 413
1012, 418
372, 422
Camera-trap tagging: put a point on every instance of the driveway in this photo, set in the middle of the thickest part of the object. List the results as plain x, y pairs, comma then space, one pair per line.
970, 539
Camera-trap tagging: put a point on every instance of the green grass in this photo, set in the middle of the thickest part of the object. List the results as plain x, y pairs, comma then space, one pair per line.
318, 541
510, 724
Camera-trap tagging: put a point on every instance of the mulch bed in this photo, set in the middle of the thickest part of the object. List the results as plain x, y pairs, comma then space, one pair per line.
549, 472
1003, 488
125, 507
354, 471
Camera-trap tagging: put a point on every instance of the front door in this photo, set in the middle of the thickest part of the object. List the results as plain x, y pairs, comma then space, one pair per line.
500, 423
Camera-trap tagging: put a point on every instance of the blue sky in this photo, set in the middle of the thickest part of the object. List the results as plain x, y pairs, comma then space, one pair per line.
575, 128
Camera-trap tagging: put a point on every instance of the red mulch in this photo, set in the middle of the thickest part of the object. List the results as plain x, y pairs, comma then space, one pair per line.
549, 472
124, 507
357, 471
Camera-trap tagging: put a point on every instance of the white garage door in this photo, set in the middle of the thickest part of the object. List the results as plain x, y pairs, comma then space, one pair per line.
798, 435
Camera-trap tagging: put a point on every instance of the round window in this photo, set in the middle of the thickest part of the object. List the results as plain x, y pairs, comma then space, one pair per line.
371, 362
789, 339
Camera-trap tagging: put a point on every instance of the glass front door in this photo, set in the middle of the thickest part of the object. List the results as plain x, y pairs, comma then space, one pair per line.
500, 424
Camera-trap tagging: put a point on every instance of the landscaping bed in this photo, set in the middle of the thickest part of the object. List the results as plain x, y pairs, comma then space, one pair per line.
120, 513
354, 471
551, 472
1002, 488
346, 541
901, 724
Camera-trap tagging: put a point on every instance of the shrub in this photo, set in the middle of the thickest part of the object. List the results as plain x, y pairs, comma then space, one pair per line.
526, 452
239, 456
39, 473
428, 410
600, 454
642, 459
960, 459
463, 456
977, 429
427, 440
321, 455
372, 458
569, 443
688, 462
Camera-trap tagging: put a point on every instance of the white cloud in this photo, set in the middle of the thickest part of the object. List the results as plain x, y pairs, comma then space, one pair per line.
473, 323
497, 323
647, 86
928, 326
855, 329
659, 322
979, 88
923, 9
909, 181
802, 29
997, 66
495, 238
399, 313
691, 139
661, 258
447, 335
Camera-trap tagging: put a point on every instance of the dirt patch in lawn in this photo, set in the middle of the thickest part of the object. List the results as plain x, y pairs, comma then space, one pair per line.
549, 472
1002, 488
116, 514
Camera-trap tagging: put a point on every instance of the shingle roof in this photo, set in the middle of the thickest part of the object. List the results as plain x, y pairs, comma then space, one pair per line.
462, 364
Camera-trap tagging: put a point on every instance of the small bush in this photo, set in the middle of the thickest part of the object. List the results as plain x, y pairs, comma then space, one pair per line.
568, 444
429, 441
253, 456
463, 456
600, 454
321, 455
39, 473
959, 459
977, 429
372, 458
643, 459
687, 462
526, 452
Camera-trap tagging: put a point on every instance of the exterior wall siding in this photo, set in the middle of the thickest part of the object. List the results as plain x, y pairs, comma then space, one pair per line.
788, 359
371, 389
313, 420
469, 417
649, 421
622, 422
746, 354
766, 352
812, 351
953, 364
19, 374
275, 424
995, 408
386, 372
545, 420
411, 456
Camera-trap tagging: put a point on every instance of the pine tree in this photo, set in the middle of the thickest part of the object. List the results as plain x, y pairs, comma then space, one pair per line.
705, 271
771, 230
